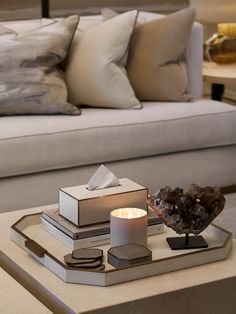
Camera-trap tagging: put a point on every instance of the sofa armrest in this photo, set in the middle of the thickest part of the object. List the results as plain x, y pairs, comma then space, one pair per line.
195, 60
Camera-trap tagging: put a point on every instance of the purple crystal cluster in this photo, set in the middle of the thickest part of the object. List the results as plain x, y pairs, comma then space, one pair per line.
191, 212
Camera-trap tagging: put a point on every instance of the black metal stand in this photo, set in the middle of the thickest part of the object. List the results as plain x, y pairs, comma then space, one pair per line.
187, 242
45, 6
217, 91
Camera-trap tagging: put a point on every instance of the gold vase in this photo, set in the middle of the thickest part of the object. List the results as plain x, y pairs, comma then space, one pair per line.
221, 47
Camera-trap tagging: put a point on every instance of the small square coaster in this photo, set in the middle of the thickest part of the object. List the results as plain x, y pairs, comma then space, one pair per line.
72, 261
87, 254
129, 254
92, 265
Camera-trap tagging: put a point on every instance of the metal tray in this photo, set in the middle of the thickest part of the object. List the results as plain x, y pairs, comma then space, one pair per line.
29, 234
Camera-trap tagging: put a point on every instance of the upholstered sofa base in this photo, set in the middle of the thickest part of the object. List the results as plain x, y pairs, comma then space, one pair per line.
213, 166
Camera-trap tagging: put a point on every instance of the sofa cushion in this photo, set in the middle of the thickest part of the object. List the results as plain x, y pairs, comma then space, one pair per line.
194, 50
143, 17
30, 79
37, 144
6, 31
95, 74
157, 58
23, 26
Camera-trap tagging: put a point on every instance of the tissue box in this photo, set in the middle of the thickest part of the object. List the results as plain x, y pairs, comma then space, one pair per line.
83, 207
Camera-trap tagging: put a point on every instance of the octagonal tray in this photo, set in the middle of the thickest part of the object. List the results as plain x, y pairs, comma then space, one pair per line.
29, 234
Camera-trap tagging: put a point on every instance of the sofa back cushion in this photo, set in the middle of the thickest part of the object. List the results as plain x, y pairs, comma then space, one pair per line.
157, 57
30, 79
95, 72
194, 49
23, 26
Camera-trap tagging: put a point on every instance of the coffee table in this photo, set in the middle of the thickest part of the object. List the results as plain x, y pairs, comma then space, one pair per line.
208, 288
15, 299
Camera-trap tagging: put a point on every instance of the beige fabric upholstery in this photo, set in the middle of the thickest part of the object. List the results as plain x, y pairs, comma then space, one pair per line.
23, 26
156, 64
108, 14
204, 167
95, 76
194, 49
194, 59
46, 143
164, 144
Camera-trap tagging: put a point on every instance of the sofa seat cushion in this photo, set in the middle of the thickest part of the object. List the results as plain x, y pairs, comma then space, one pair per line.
41, 143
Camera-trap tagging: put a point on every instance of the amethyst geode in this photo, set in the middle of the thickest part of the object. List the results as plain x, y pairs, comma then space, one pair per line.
191, 212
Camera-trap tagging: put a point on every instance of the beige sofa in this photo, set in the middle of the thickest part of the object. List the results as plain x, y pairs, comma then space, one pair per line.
165, 143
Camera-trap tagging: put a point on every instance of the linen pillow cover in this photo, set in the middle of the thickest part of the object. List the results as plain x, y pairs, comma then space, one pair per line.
30, 79
157, 58
95, 72
6, 31
156, 63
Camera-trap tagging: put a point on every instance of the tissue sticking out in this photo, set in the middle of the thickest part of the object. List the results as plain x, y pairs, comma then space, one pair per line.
103, 178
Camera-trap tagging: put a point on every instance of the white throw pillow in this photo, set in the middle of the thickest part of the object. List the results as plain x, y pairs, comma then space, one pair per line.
95, 73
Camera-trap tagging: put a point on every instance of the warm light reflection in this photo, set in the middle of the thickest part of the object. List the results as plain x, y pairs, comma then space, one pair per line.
128, 213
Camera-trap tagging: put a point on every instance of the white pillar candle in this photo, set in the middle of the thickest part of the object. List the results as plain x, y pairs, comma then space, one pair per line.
128, 225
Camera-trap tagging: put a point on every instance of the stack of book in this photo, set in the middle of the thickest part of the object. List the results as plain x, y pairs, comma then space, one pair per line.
93, 235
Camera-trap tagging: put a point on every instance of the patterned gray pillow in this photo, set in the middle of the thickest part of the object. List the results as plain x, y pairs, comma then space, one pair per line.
31, 81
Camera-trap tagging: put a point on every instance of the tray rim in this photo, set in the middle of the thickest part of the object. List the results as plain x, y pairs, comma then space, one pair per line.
227, 245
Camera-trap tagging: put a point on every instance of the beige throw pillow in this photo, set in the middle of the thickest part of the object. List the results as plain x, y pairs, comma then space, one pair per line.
156, 64
108, 14
95, 72
31, 81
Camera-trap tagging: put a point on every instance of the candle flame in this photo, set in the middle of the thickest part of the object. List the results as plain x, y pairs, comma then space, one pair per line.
129, 213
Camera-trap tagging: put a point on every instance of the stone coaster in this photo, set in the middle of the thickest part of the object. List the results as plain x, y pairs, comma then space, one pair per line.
129, 254
102, 267
85, 258
92, 265
87, 254
70, 260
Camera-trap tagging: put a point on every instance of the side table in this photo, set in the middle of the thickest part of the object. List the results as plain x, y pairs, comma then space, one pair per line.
219, 75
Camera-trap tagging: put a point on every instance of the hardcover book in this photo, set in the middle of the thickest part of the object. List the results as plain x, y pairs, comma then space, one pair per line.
54, 218
95, 240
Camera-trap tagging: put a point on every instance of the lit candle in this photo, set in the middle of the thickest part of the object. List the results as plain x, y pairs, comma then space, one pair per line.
128, 225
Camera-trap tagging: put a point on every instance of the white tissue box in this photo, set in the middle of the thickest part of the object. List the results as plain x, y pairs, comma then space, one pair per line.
83, 207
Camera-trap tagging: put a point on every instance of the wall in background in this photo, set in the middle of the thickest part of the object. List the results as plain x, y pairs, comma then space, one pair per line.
23, 9
94, 6
19, 9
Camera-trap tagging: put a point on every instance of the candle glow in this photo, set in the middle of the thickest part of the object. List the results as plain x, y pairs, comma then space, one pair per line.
129, 213
128, 225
